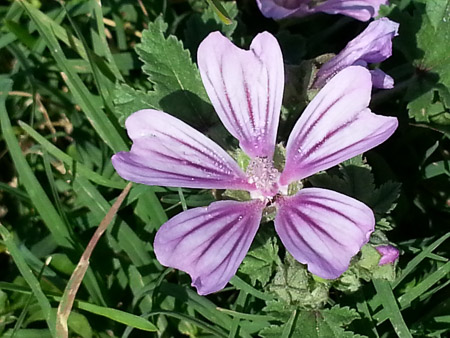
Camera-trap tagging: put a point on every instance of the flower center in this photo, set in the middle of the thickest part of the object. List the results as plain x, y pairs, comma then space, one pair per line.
264, 175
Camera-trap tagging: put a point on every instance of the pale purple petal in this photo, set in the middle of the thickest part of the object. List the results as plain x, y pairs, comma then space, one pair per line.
323, 229
245, 88
373, 45
381, 80
389, 254
168, 152
336, 126
359, 9
209, 243
279, 9
362, 10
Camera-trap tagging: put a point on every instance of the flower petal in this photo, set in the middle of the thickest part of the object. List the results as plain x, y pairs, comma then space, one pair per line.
373, 45
323, 229
362, 10
209, 243
279, 9
381, 80
335, 126
359, 9
168, 152
245, 88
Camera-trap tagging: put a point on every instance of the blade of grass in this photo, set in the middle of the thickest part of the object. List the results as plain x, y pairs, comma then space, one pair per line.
28, 301
37, 195
240, 303
17, 192
205, 326
389, 303
127, 239
51, 179
406, 299
31, 280
113, 314
289, 324
241, 285
419, 258
69, 161
103, 48
65, 306
103, 83
100, 122
220, 11
248, 316
200, 304
59, 230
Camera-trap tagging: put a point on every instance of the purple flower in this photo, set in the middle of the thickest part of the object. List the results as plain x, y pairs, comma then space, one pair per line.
373, 45
319, 227
389, 254
359, 9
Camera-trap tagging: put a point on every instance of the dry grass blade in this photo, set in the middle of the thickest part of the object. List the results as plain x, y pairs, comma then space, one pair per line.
65, 306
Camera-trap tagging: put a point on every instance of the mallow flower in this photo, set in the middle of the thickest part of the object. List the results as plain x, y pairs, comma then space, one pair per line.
321, 228
362, 10
373, 45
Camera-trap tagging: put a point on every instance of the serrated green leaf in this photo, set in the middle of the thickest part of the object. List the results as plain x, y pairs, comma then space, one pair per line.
128, 100
426, 38
177, 87
293, 284
323, 323
383, 198
261, 259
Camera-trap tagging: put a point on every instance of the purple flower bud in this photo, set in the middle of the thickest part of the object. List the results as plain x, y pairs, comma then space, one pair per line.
373, 45
389, 254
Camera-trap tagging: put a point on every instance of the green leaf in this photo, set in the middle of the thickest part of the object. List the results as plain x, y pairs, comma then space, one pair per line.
425, 40
383, 198
355, 179
200, 25
260, 261
436, 169
293, 284
29, 277
437, 10
177, 87
317, 324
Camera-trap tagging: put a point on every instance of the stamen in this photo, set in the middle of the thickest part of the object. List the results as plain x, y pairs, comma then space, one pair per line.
264, 175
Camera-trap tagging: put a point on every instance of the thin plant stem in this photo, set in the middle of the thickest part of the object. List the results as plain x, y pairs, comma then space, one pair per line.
68, 298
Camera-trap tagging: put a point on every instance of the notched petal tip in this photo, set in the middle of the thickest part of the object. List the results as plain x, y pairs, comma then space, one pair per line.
324, 229
245, 88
